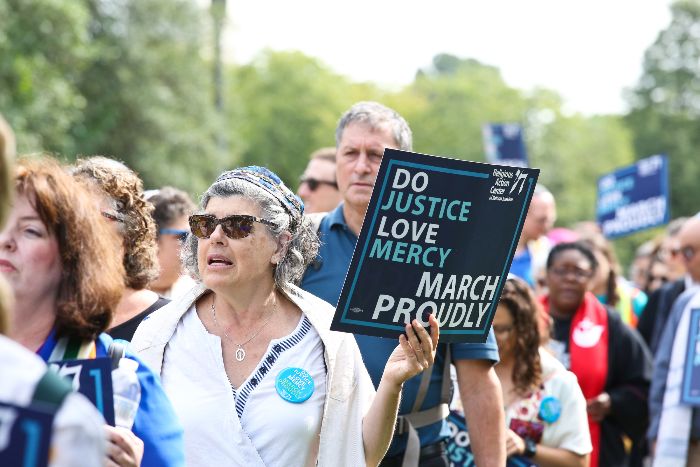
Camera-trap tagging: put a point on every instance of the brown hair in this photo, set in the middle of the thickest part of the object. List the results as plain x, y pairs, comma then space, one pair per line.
601, 244
520, 301
138, 231
7, 154
92, 274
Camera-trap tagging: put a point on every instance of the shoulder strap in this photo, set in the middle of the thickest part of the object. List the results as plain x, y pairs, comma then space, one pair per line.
51, 390
419, 418
116, 351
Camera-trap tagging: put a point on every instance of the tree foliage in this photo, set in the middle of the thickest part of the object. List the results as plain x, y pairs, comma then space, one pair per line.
285, 105
665, 115
123, 78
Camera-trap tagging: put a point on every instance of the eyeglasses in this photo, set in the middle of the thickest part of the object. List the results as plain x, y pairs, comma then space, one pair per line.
686, 251
236, 226
112, 217
179, 233
314, 183
578, 274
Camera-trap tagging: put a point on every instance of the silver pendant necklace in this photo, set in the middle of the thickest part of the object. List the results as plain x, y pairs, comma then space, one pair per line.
240, 351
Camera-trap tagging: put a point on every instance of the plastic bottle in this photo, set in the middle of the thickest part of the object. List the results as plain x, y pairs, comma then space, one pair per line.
127, 392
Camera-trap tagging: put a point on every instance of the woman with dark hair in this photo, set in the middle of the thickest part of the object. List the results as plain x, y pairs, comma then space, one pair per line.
610, 287
171, 209
545, 409
248, 358
609, 358
119, 193
58, 255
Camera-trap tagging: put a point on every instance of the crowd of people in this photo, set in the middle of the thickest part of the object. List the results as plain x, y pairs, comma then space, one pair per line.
225, 302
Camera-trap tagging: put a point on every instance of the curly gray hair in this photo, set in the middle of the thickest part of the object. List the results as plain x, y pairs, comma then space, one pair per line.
376, 115
301, 249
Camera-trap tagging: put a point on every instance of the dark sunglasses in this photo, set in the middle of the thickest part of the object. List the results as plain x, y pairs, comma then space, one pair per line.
314, 183
180, 234
235, 226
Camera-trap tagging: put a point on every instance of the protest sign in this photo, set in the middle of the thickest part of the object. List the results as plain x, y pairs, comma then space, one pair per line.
459, 452
93, 379
691, 373
633, 198
504, 144
438, 237
25, 435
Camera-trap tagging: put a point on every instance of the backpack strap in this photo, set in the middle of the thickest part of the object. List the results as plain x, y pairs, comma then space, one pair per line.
417, 418
51, 390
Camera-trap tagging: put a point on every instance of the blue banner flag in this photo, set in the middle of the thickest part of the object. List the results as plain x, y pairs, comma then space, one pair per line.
438, 237
504, 144
634, 198
25, 435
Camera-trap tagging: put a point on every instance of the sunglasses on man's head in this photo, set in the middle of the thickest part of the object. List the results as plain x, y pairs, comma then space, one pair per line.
235, 226
314, 183
179, 233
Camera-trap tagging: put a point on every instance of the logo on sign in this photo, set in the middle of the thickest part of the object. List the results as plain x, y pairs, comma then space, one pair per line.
509, 181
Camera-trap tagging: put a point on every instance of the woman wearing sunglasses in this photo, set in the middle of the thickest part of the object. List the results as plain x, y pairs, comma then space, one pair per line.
248, 358
119, 193
610, 360
545, 409
58, 256
171, 210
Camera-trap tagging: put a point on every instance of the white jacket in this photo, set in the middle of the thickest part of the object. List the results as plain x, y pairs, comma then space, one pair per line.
350, 389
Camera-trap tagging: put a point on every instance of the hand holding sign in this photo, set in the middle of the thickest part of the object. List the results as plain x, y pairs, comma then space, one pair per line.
414, 353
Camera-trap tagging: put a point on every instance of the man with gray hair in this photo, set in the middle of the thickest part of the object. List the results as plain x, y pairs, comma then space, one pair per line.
363, 133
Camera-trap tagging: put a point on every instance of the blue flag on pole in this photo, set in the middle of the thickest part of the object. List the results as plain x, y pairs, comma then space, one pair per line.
634, 197
504, 144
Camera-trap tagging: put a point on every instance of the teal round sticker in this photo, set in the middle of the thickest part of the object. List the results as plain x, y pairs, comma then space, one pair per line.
550, 409
294, 385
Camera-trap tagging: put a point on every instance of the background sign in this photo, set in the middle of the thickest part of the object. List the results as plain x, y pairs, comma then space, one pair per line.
438, 237
691, 374
93, 379
459, 451
633, 198
25, 435
504, 144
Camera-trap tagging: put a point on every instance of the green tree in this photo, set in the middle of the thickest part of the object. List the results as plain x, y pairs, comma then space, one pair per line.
665, 115
284, 105
44, 47
149, 92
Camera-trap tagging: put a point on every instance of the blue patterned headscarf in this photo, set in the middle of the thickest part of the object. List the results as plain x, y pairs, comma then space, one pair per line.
269, 181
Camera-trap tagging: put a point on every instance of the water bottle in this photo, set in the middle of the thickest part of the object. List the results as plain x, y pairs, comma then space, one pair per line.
127, 392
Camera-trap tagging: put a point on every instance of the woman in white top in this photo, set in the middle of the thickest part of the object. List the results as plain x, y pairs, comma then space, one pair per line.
545, 409
248, 360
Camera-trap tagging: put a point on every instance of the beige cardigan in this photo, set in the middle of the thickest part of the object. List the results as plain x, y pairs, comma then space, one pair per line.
350, 387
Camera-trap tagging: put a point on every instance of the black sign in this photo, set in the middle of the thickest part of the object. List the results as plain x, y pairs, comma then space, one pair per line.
93, 379
438, 237
25, 435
